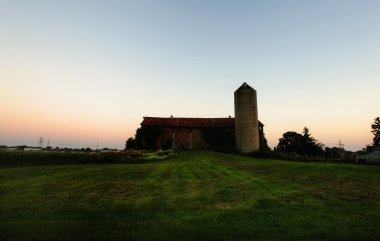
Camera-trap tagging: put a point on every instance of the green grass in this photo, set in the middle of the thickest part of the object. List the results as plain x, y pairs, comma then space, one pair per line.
195, 196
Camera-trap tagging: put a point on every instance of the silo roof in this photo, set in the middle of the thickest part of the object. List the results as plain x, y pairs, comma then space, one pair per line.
244, 86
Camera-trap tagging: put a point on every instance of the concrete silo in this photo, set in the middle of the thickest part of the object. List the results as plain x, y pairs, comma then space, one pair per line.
246, 119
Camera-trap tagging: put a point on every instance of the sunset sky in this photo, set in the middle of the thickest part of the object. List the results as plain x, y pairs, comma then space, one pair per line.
79, 72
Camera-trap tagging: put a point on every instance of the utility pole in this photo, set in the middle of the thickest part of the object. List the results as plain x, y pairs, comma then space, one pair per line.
40, 142
341, 147
97, 149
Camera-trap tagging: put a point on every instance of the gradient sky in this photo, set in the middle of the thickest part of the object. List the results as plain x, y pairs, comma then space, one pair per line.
82, 72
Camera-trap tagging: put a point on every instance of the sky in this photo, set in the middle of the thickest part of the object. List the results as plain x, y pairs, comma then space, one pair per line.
81, 72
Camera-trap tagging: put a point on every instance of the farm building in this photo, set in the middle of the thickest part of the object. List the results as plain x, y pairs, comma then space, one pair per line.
244, 132
193, 133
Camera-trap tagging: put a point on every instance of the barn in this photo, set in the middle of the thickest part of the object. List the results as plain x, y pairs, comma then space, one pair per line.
193, 133
244, 133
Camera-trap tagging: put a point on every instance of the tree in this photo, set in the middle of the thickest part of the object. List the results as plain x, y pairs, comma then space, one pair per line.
303, 144
310, 145
130, 144
334, 152
146, 137
376, 132
291, 141
263, 143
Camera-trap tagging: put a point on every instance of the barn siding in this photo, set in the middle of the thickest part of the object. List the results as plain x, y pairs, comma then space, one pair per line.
187, 133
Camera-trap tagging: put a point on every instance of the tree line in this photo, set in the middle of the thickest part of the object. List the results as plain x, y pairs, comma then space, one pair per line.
302, 144
290, 142
305, 144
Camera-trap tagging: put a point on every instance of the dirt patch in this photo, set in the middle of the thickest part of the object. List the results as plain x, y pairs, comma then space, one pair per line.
223, 205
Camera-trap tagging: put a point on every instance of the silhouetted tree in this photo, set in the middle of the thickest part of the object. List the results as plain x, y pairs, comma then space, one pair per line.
139, 138
303, 144
145, 138
334, 152
263, 143
291, 141
130, 144
310, 146
376, 132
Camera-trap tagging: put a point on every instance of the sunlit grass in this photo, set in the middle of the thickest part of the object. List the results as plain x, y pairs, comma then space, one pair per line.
197, 195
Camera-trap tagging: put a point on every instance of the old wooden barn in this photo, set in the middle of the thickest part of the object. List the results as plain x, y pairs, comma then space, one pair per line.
193, 133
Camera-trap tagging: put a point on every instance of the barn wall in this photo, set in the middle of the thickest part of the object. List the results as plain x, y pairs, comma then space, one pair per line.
184, 138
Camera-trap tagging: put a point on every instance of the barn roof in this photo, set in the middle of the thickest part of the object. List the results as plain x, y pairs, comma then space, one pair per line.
228, 122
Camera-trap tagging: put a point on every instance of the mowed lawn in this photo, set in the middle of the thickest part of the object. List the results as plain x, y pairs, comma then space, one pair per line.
195, 196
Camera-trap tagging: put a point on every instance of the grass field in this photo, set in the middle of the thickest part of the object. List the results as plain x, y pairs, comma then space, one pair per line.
195, 196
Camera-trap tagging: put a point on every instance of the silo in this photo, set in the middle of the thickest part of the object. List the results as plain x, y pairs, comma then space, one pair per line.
246, 119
